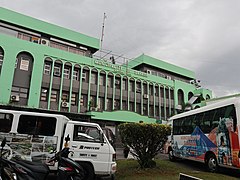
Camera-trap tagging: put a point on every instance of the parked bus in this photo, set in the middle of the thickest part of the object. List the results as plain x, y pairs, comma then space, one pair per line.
209, 134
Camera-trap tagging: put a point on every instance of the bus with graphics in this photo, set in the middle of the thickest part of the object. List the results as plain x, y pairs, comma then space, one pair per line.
209, 134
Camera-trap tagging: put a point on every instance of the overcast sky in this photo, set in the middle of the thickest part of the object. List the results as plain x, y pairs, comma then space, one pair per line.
200, 35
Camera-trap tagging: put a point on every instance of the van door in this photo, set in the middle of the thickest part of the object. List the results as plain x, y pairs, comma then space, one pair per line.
88, 146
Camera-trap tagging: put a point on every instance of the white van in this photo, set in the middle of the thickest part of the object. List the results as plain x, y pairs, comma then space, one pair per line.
33, 136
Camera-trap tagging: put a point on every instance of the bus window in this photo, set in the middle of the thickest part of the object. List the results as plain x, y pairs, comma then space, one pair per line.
176, 126
207, 121
231, 113
189, 127
36, 125
5, 122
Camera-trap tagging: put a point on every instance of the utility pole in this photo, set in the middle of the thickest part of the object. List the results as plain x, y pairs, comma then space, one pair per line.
104, 18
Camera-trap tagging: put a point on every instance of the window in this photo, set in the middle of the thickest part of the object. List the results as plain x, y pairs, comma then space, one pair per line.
117, 83
151, 89
65, 96
101, 103
109, 104
102, 80
116, 104
44, 94
16, 63
131, 106
86, 134
110, 81
93, 101
36, 125
57, 70
145, 89
47, 68
84, 77
151, 111
1, 57
83, 100
6, 120
138, 108
54, 96
66, 73
7, 31
76, 74
138, 89
124, 105
94, 78
132, 86
145, 110
157, 111
156, 91
207, 121
21, 92
74, 99
124, 87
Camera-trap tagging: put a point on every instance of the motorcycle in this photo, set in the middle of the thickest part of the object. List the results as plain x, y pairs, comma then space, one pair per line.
68, 169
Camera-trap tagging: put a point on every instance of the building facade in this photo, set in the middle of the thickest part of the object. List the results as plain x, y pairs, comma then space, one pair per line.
47, 67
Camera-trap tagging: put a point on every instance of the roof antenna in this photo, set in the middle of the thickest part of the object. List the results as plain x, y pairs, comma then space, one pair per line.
104, 18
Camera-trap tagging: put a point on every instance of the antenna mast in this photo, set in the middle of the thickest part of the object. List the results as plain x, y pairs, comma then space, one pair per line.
104, 18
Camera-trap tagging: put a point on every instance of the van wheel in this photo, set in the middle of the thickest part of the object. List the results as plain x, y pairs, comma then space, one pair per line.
171, 156
211, 163
88, 171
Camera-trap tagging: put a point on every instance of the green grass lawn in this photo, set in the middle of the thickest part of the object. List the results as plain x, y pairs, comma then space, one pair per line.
166, 170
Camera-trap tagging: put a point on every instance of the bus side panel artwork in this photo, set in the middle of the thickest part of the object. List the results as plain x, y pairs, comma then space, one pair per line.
29, 147
222, 141
195, 145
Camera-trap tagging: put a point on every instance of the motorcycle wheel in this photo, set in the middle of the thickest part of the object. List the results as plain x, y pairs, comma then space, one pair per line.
88, 171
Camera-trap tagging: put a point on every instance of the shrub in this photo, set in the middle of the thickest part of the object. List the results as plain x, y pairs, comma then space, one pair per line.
144, 140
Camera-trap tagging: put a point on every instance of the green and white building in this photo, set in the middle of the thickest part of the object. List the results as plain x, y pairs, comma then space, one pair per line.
44, 67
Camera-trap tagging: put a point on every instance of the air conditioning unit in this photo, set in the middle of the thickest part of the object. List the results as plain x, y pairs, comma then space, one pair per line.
45, 42
145, 96
65, 104
14, 98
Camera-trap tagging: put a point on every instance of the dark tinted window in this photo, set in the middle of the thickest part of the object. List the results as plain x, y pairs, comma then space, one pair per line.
36, 125
86, 133
5, 122
206, 121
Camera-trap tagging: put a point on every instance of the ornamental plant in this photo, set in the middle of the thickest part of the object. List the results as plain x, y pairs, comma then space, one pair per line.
144, 140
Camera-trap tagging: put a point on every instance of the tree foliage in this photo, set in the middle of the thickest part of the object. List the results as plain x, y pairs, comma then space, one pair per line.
144, 140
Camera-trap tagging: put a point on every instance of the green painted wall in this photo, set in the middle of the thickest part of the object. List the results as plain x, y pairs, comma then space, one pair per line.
47, 28
121, 116
13, 46
161, 64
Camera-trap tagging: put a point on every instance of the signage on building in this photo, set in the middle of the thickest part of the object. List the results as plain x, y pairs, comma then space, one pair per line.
139, 73
109, 65
24, 65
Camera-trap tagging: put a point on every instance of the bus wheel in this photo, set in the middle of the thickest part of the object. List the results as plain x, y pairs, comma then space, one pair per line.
211, 163
171, 156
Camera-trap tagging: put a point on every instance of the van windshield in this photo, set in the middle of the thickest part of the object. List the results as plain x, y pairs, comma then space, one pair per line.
37, 125
6, 120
